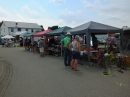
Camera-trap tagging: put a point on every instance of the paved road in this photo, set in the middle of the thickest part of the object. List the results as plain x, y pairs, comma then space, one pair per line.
34, 76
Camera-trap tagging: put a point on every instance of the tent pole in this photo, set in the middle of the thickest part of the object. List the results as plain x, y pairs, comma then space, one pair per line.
23, 41
32, 40
61, 44
107, 39
88, 45
121, 42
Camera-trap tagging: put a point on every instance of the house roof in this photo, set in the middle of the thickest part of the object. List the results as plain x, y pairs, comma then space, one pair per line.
22, 24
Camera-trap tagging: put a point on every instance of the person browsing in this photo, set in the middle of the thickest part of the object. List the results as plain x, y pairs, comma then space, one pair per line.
75, 45
112, 42
67, 53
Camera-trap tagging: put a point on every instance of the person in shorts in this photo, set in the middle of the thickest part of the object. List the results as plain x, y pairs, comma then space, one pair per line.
41, 47
75, 45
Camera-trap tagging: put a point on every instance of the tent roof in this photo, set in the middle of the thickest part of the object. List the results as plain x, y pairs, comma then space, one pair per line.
7, 36
40, 34
59, 31
19, 33
93, 27
30, 34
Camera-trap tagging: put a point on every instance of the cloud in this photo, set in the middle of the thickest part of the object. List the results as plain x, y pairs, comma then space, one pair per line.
116, 10
113, 12
42, 9
19, 17
72, 18
97, 1
4, 13
32, 13
87, 4
58, 2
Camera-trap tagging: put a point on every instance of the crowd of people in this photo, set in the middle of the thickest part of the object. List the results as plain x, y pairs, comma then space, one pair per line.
7, 42
71, 46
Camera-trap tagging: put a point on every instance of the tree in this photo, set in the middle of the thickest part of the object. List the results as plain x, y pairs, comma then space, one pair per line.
42, 28
49, 27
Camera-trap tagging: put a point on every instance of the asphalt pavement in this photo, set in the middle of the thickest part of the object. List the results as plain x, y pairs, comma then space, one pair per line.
35, 76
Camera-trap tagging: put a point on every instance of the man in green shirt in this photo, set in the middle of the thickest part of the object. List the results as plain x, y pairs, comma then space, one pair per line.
67, 53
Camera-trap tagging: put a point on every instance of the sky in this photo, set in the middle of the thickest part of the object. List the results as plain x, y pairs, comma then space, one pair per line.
70, 13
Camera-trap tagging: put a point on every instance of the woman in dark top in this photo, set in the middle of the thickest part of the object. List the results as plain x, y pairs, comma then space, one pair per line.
94, 41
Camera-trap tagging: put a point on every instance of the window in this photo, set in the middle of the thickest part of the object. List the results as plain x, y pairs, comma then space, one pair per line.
32, 30
26, 29
19, 29
12, 30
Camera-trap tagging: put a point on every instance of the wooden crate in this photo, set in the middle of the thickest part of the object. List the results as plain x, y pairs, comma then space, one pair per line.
26, 47
127, 60
83, 47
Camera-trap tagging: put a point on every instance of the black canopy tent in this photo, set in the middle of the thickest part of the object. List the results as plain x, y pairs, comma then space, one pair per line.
94, 27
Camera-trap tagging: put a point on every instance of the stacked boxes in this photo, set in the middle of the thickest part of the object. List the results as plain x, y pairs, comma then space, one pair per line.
127, 60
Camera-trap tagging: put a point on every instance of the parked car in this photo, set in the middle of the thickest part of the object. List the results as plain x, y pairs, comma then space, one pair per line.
101, 40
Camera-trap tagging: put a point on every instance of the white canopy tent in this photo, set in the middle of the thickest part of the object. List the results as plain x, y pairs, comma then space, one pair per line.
7, 37
20, 33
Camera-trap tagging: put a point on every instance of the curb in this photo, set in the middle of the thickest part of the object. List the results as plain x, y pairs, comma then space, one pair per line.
6, 76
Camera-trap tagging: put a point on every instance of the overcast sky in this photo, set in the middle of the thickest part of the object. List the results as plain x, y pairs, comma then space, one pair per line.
66, 12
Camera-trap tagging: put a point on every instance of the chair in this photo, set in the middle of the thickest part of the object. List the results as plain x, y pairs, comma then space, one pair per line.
98, 57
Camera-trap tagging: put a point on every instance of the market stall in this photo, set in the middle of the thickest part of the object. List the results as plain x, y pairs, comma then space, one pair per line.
58, 32
9, 41
26, 35
93, 27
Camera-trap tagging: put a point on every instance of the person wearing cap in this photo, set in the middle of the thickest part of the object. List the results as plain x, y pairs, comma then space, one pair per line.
67, 53
75, 45
41, 47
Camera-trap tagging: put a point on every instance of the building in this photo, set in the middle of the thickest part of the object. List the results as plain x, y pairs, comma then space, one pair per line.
10, 27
